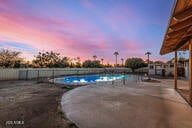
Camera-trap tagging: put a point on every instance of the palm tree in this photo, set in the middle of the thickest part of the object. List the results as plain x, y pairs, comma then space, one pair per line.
78, 63
148, 53
78, 59
122, 60
102, 60
116, 54
94, 57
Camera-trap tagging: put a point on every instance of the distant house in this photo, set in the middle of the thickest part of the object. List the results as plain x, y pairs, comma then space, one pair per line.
167, 69
156, 68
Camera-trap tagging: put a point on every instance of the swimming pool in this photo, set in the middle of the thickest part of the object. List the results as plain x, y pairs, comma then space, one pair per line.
89, 79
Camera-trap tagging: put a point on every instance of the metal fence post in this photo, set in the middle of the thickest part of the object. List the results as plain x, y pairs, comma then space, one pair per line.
53, 76
26, 78
77, 77
124, 78
77, 73
112, 78
37, 75
138, 78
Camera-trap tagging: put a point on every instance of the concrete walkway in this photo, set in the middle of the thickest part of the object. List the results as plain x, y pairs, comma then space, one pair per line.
135, 105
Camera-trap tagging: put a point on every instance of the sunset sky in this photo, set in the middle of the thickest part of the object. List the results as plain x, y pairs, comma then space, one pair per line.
83, 28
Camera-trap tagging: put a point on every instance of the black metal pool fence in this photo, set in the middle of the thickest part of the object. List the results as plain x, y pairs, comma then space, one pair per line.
48, 75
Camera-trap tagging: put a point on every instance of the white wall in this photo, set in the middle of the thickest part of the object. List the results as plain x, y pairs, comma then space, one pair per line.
9, 74
142, 70
16, 74
50, 72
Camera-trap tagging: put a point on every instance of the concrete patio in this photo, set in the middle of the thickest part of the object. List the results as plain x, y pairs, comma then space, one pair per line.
134, 105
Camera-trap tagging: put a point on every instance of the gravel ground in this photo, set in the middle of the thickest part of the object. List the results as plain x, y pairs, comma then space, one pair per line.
27, 104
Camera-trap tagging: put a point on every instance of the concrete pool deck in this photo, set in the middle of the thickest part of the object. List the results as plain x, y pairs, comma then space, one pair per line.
134, 105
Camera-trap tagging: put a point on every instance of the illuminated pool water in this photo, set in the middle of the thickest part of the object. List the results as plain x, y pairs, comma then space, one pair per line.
90, 79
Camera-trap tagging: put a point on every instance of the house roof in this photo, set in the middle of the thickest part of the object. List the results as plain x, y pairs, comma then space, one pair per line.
179, 30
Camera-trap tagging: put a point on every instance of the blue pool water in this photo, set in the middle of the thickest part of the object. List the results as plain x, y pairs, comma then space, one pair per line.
90, 78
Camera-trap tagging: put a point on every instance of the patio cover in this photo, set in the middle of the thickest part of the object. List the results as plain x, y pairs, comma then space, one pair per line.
179, 30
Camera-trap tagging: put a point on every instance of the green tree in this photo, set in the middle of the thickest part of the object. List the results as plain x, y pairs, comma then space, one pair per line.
10, 59
92, 64
87, 64
78, 63
46, 59
51, 59
96, 64
64, 62
108, 65
135, 63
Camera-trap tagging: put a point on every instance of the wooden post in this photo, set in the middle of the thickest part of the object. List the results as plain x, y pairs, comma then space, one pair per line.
175, 71
190, 69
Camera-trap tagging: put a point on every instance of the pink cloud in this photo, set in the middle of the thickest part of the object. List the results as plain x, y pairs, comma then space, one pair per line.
24, 53
69, 37
17, 28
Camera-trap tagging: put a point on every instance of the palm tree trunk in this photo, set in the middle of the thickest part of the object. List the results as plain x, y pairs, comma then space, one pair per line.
116, 60
148, 66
